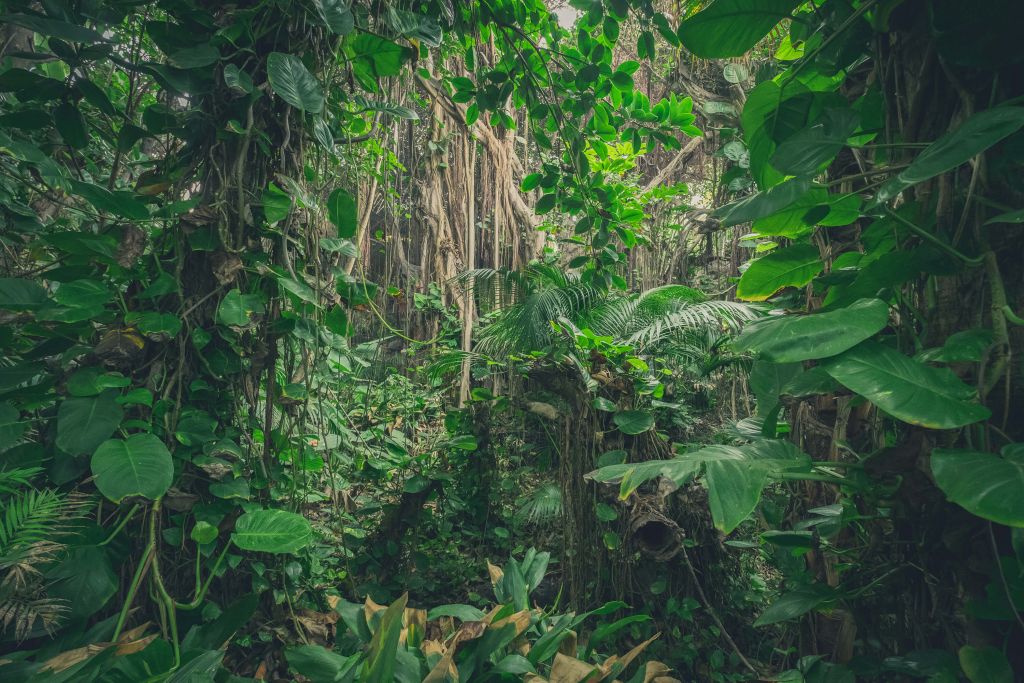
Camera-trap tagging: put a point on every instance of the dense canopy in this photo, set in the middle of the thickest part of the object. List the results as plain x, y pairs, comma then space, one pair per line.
511, 340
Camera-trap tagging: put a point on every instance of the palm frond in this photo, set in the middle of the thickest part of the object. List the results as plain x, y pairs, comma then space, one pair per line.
18, 478
28, 517
720, 316
21, 610
451, 362
542, 504
526, 326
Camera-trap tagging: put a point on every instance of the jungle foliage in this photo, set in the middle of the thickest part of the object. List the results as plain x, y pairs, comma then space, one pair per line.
693, 325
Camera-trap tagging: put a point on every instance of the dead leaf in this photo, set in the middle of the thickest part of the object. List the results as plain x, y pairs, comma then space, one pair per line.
496, 573
571, 670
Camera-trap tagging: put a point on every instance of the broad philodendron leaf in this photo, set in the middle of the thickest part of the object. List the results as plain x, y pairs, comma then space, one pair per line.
119, 203
977, 134
737, 475
905, 388
790, 267
728, 28
985, 484
806, 151
140, 465
337, 15
18, 294
272, 531
764, 203
795, 338
817, 207
292, 81
631, 476
795, 603
236, 309
341, 209
734, 489
376, 56
84, 423
633, 421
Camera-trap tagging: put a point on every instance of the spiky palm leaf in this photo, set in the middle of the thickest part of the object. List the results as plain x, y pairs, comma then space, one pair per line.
530, 300
542, 504
678, 318
31, 525
664, 314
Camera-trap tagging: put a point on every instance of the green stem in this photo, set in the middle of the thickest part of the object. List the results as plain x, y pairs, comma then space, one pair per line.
928, 237
121, 525
158, 581
812, 476
132, 589
201, 592
1011, 316
829, 463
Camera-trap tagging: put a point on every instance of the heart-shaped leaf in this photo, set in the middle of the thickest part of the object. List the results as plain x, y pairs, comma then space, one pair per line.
633, 421
140, 465
84, 423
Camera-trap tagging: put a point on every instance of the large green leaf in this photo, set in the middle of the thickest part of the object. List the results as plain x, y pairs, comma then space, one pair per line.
376, 56
20, 294
85, 423
272, 531
795, 603
119, 203
736, 476
792, 338
790, 267
984, 484
236, 309
380, 661
633, 421
292, 81
140, 465
985, 665
765, 203
728, 28
336, 14
633, 475
52, 27
71, 125
318, 664
806, 151
905, 388
341, 209
977, 134
734, 489
817, 207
